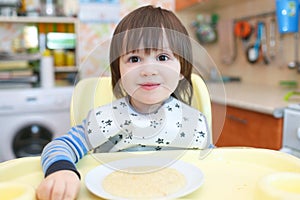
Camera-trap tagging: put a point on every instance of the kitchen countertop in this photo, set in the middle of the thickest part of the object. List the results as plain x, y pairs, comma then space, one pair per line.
265, 99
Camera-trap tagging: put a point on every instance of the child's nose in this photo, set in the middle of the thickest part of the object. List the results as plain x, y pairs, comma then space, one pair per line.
149, 70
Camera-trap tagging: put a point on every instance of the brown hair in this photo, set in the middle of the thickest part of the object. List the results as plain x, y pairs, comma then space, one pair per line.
147, 25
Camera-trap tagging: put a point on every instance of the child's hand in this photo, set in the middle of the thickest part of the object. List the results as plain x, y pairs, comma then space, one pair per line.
61, 185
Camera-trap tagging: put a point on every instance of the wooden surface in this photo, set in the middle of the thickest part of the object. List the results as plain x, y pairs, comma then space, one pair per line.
247, 128
182, 4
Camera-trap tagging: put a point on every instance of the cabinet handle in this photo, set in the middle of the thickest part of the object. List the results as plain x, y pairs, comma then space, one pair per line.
237, 119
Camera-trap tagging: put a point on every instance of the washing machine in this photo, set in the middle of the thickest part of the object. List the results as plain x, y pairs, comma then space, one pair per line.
30, 118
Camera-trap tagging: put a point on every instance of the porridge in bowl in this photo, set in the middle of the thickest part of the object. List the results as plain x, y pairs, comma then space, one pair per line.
149, 185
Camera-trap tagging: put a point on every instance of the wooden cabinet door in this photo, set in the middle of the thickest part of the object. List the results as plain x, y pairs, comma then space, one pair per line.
182, 4
248, 128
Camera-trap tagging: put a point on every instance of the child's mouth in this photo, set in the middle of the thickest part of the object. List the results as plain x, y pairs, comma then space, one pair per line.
149, 86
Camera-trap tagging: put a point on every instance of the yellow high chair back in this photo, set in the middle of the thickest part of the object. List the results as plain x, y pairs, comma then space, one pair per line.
93, 92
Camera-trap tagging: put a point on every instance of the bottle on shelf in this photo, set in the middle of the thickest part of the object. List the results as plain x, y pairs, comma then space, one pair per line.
48, 7
47, 70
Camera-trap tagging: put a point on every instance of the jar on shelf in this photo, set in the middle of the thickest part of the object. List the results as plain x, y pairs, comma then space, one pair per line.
59, 57
70, 58
48, 7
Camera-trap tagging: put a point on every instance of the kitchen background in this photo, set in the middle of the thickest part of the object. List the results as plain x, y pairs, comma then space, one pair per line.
252, 11
34, 108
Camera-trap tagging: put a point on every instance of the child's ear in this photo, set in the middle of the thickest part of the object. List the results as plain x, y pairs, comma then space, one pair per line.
181, 77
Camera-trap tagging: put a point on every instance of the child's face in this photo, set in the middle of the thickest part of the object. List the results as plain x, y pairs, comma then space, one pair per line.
149, 77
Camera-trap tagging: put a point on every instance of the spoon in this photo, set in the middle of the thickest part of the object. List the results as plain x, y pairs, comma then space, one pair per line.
295, 63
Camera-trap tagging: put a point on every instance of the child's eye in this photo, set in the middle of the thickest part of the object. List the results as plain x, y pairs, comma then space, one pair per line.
163, 57
134, 59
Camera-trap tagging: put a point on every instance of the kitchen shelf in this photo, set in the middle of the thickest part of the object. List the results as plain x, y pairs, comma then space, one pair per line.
45, 25
22, 56
66, 69
59, 20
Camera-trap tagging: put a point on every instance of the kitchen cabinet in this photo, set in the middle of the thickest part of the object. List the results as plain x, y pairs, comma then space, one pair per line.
69, 26
182, 4
204, 5
247, 128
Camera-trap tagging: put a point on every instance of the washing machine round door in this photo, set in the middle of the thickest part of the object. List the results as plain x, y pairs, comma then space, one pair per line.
30, 140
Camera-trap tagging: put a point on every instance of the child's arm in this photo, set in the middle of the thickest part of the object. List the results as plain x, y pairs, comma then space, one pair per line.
59, 157
58, 161
63, 152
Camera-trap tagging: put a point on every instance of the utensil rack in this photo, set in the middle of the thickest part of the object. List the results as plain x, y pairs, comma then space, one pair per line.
261, 15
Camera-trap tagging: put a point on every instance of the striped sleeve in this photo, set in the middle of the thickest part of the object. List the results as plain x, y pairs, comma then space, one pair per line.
68, 148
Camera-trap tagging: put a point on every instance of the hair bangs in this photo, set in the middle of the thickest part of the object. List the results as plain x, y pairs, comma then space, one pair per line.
144, 39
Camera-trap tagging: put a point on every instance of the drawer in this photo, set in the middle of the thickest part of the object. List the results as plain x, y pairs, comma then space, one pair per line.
250, 129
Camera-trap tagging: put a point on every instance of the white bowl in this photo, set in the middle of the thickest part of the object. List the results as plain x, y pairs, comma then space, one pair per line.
279, 186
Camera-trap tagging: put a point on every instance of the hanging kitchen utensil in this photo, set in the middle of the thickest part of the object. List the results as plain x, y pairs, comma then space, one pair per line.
243, 30
296, 62
253, 51
272, 41
227, 41
264, 46
280, 59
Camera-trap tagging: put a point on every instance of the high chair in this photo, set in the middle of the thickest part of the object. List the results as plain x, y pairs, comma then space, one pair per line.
93, 92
